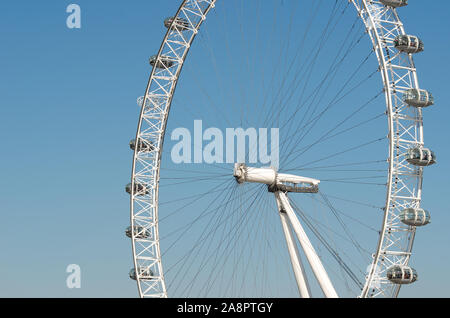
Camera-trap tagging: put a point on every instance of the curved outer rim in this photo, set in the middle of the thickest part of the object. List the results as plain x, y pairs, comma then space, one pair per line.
194, 26
382, 23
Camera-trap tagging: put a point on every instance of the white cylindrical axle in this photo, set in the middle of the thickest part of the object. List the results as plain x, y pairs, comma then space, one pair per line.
261, 175
268, 176
242, 173
310, 252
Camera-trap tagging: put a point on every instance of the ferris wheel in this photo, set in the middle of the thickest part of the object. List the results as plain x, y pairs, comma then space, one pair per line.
347, 188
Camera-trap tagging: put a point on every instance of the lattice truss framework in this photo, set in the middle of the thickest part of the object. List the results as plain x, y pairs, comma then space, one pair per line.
152, 124
406, 131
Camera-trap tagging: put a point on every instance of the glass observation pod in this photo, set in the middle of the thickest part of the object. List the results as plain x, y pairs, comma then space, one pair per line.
140, 101
415, 217
180, 24
408, 44
144, 273
139, 232
162, 63
152, 103
139, 189
418, 98
395, 3
401, 274
420, 157
142, 145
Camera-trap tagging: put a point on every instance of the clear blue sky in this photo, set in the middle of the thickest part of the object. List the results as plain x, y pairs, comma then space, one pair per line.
68, 111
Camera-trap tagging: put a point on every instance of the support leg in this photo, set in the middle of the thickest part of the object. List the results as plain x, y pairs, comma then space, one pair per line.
297, 265
313, 259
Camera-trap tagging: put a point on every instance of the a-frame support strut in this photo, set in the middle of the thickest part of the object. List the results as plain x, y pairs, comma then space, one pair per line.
313, 259
297, 266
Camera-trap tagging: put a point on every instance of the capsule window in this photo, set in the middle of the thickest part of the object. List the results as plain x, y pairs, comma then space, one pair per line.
423, 96
421, 217
411, 215
415, 154
401, 41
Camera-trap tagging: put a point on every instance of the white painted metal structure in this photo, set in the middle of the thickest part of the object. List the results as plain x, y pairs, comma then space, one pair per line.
297, 266
313, 259
405, 128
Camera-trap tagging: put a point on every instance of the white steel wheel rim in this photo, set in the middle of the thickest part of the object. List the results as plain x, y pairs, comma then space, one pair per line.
403, 191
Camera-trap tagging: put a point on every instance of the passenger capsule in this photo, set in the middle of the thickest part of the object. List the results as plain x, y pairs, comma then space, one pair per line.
140, 101
408, 44
152, 102
395, 3
401, 275
145, 273
139, 189
180, 24
142, 145
415, 217
420, 157
163, 62
139, 232
418, 98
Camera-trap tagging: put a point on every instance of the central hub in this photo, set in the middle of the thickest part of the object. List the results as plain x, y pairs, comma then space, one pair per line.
274, 180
